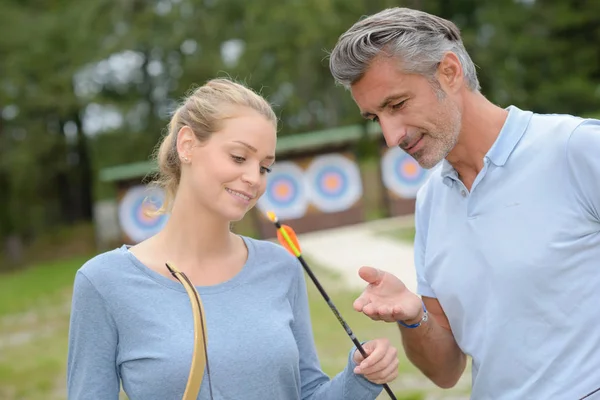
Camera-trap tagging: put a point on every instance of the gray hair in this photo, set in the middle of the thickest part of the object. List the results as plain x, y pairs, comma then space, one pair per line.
420, 40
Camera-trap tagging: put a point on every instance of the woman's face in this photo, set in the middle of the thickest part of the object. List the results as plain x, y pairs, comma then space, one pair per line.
227, 174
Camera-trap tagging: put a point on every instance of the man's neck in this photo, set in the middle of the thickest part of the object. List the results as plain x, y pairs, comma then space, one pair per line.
482, 122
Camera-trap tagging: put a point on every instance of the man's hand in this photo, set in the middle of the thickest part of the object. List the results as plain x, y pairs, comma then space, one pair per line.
386, 298
381, 364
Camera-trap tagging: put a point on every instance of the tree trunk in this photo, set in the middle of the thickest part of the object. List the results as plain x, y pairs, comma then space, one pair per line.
84, 173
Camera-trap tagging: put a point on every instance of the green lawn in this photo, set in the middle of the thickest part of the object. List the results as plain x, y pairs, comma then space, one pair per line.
403, 234
34, 317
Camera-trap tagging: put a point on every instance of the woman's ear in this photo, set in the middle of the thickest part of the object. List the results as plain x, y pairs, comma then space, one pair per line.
185, 142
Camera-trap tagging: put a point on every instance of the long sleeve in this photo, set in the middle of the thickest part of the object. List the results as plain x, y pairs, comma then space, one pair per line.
91, 364
315, 384
583, 158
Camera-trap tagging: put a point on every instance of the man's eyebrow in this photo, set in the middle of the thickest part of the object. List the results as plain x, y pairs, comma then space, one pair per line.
253, 149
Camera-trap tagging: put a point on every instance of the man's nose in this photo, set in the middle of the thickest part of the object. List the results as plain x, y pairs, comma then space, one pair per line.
393, 131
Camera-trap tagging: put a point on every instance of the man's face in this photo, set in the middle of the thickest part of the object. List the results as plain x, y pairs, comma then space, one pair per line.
413, 113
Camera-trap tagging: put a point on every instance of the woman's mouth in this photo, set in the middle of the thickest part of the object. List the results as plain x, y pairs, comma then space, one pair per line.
240, 195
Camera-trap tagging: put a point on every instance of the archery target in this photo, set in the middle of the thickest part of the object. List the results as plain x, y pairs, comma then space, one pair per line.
285, 194
334, 183
401, 173
134, 221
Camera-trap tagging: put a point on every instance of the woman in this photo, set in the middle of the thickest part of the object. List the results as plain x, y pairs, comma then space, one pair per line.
131, 321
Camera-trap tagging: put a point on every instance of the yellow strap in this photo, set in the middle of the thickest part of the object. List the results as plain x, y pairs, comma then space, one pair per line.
199, 356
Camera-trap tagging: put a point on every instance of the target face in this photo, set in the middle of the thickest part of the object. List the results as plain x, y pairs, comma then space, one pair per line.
333, 182
401, 173
285, 194
133, 208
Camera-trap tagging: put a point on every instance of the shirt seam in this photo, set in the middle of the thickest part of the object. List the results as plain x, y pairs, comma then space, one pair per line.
110, 315
570, 170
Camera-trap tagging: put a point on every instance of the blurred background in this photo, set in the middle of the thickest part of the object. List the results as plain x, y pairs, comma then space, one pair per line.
87, 87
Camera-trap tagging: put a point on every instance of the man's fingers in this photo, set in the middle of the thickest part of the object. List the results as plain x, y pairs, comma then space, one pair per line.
370, 275
371, 310
360, 303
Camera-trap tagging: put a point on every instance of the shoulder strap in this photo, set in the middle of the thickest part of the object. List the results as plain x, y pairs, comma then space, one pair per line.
200, 352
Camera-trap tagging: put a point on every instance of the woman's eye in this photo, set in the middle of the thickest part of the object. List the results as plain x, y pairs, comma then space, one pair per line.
265, 170
238, 159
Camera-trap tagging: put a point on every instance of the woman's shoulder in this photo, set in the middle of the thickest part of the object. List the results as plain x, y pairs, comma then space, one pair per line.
267, 249
107, 267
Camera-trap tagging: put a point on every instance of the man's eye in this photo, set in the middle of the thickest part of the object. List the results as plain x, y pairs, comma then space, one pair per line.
398, 105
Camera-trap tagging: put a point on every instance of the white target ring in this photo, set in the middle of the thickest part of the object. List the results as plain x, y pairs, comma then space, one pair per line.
285, 194
333, 183
133, 208
402, 174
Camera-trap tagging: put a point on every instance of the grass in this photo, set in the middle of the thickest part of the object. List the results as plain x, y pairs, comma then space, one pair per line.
30, 288
34, 318
333, 345
402, 234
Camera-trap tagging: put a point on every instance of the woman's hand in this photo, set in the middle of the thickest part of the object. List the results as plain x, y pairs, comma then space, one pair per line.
381, 364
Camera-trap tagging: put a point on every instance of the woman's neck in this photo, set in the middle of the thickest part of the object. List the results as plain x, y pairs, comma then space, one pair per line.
194, 236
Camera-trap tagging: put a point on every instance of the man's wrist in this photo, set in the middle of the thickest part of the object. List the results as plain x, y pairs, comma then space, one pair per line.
418, 321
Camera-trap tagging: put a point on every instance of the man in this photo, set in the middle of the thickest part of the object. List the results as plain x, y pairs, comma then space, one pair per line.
507, 247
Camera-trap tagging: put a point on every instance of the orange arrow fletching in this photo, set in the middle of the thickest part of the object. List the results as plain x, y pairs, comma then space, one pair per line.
288, 239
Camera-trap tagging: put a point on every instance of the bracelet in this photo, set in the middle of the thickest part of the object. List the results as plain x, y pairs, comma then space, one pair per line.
416, 325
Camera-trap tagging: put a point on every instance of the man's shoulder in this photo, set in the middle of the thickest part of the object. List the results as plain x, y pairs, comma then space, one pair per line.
555, 123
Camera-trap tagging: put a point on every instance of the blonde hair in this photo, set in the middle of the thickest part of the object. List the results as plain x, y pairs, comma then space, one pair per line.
204, 111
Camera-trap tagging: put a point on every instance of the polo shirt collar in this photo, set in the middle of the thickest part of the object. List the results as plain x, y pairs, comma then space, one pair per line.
514, 127
512, 131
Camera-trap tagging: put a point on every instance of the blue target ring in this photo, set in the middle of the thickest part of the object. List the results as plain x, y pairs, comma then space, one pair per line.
285, 193
135, 210
139, 209
334, 183
409, 171
282, 190
402, 174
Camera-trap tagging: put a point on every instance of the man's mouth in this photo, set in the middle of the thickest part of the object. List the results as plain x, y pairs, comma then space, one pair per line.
413, 144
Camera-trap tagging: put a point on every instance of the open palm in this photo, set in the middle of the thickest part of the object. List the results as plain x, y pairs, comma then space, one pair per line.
386, 298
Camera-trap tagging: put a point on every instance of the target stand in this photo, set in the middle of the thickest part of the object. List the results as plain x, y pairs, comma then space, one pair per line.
315, 184
401, 177
135, 205
313, 192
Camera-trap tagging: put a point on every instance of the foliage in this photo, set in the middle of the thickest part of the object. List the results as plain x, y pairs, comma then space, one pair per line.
86, 85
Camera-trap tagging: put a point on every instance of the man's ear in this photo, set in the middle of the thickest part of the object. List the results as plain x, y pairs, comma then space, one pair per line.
186, 139
450, 72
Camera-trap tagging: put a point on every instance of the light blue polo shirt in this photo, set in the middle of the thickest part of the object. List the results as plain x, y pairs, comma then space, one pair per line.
515, 263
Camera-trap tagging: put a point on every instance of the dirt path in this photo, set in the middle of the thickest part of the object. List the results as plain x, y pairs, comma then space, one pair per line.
348, 248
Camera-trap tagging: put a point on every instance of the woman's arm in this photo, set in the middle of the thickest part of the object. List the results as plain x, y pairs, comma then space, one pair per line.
91, 365
315, 383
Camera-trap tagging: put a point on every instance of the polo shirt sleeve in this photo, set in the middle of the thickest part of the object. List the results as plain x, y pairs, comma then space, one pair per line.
583, 160
421, 218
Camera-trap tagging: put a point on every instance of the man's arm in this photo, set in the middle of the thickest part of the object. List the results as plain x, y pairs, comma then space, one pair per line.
432, 348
